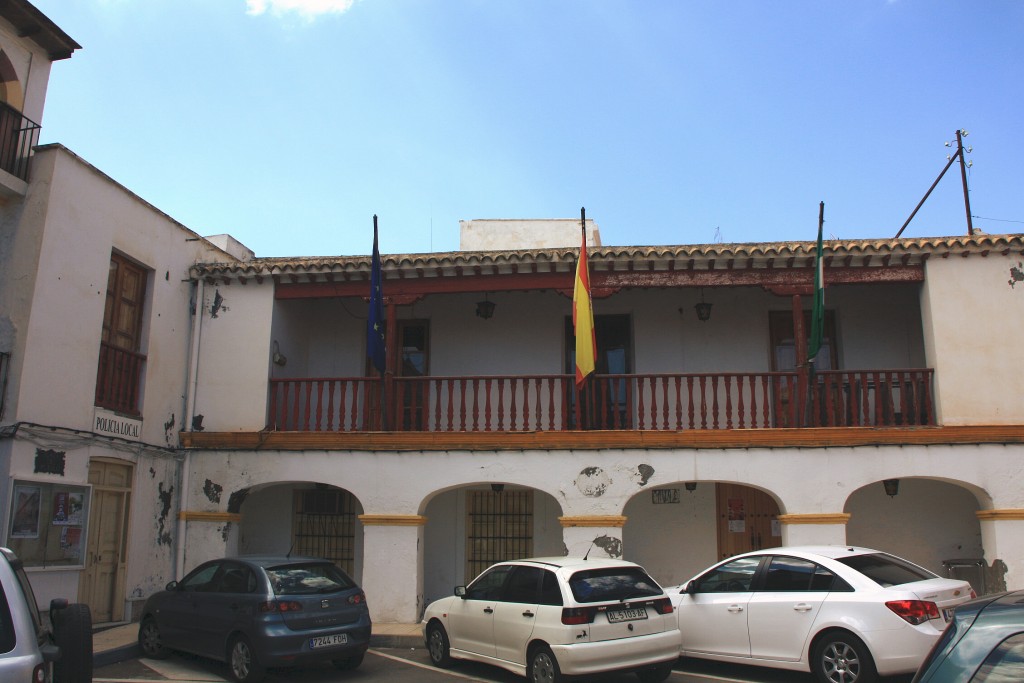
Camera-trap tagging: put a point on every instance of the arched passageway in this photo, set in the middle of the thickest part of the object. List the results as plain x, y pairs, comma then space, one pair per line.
470, 528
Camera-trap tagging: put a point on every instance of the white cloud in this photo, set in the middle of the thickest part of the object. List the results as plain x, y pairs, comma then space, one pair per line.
308, 9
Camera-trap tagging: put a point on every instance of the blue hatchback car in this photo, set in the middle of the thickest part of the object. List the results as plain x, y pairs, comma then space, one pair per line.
983, 643
257, 612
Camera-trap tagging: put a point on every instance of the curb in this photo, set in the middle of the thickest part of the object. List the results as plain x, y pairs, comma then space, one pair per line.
119, 654
395, 641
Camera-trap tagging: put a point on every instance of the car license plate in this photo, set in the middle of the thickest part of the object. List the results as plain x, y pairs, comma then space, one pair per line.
619, 615
947, 613
328, 641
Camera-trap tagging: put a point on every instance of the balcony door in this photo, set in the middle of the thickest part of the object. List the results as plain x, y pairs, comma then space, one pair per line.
605, 400
414, 361
121, 364
784, 359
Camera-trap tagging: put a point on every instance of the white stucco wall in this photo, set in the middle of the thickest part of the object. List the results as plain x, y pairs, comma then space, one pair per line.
234, 358
974, 322
501, 234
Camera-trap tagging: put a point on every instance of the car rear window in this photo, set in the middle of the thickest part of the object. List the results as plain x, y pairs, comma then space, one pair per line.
612, 583
7, 638
886, 570
305, 579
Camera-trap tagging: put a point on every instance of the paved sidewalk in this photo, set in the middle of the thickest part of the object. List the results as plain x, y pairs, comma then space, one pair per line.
112, 643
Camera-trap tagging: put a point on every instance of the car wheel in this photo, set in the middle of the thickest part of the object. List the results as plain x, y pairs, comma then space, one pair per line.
242, 662
150, 641
542, 666
438, 646
842, 658
348, 664
72, 633
655, 675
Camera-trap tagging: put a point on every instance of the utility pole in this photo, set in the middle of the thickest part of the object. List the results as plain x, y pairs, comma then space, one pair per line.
958, 154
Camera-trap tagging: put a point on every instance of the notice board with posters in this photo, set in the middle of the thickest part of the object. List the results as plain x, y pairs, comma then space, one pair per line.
47, 522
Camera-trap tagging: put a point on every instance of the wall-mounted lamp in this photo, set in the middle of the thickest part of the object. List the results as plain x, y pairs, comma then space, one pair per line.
497, 488
691, 486
892, 487
278, 357
703, 308
485, 308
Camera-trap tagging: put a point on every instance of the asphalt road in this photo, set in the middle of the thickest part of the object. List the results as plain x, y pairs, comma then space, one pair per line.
384, 665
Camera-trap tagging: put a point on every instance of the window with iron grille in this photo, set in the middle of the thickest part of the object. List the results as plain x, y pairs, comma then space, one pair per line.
324, 526
499, 528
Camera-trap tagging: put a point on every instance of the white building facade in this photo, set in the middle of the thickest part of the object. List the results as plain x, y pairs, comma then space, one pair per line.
167, 398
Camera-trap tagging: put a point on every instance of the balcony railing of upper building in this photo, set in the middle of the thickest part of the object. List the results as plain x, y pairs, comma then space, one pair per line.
766, 400
18, 135
119, 379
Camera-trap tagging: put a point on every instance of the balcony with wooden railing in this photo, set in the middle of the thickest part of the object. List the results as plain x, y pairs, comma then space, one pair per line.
638, 402
118, 379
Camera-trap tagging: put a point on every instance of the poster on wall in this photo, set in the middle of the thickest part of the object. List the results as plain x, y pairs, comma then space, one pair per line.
25, 520
71, 542
737, 516
67, 508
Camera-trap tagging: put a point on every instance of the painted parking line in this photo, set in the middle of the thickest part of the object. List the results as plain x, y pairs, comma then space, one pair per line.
180, 672
446, 672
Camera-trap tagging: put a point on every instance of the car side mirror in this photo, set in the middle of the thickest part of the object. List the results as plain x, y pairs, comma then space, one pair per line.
461, 591
691, 588
173, 585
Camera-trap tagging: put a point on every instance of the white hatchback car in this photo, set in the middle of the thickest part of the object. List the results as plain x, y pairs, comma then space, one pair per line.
549, 617
846, 614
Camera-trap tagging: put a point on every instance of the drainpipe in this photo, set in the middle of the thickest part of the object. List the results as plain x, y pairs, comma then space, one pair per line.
190, 407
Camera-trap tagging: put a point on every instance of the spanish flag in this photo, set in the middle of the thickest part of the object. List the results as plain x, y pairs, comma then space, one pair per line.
583, 313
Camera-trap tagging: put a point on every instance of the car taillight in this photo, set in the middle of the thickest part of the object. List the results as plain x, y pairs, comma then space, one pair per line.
357, 599
663, 606
574, 616
280, 606
39, 674
914, 611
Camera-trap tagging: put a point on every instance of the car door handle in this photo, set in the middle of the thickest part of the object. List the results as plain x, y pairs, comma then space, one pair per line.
528, 613
735, 608
488, 610
802, 607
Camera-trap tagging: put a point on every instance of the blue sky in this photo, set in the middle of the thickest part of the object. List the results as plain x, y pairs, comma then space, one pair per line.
290, 123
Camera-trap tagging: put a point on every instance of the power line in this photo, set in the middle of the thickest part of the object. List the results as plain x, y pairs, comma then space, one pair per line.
1000, 220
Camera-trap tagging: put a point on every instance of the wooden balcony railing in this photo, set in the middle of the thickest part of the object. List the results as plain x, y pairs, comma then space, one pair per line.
850, 398
118, 379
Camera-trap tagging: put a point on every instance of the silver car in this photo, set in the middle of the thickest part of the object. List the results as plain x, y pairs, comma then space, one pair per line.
29, 644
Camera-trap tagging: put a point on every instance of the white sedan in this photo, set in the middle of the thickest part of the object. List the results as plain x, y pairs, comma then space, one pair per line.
846, 614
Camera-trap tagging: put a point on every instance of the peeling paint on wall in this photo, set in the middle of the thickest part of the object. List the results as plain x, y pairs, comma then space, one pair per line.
995, 577
236, 499
1016, 273
169, 430
218, 305
593, 482
212, 491
163, 536
611, 545
225, 531
646, 472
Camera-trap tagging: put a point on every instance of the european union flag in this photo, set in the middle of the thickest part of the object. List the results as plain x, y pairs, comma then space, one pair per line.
375, 320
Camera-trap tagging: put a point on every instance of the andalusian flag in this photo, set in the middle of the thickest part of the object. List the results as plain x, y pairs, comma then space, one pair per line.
583, 313
375, 320
818, 312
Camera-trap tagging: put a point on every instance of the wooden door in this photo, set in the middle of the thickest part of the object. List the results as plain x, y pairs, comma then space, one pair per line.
748, 519
102, 583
